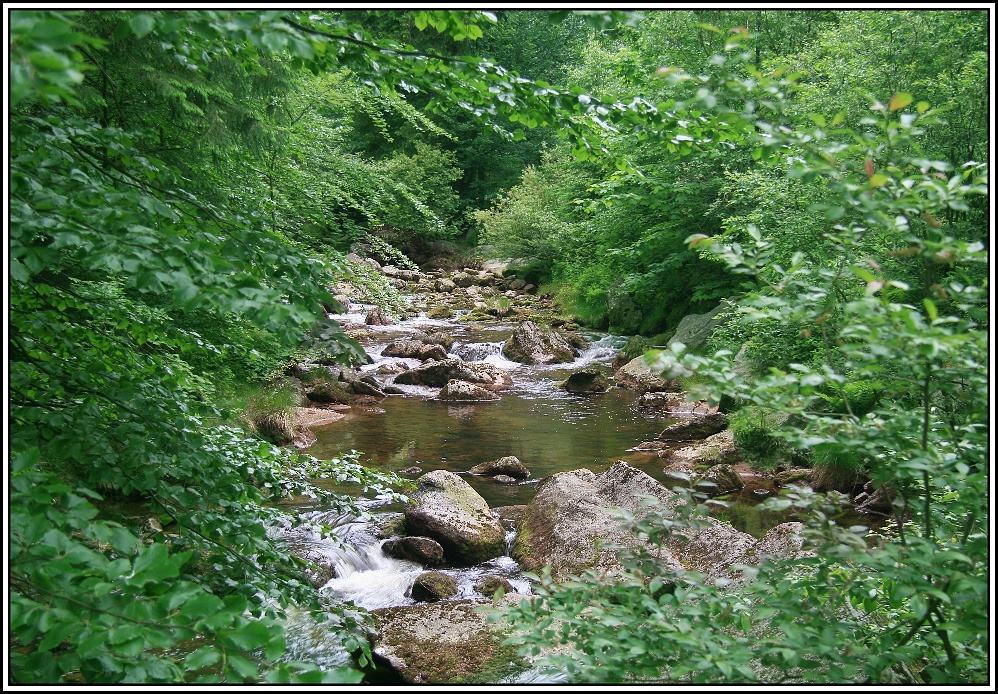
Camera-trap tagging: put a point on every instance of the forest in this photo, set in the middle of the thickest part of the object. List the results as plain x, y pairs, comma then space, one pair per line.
187, 187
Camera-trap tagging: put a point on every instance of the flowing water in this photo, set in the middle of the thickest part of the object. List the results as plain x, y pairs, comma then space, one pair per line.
548, 429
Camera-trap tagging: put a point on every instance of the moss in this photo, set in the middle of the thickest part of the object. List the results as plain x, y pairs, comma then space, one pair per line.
481, 658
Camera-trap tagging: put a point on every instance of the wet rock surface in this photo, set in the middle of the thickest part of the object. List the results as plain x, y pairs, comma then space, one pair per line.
463, 391
509, 465
636, 375
445, 642
424, 550
696, 427
566, 524
432, 586
586, 382
437, 374
449, 510
532, 344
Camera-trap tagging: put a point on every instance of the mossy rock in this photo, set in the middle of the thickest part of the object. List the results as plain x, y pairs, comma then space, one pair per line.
446, 642
432, 586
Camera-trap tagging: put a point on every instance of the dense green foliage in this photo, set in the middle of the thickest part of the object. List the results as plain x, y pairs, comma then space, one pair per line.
884, 268
184, 186
643, 200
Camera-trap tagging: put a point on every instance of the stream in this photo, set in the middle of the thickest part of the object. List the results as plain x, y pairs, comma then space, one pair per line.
548, 429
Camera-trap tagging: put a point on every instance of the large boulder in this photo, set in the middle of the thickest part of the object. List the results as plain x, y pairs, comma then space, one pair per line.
463, 279
446, 642
455, 390
509, 465
436, 374
586, 382
637, 375
567, 526
327, 391
448, 510
532, 344
694, 329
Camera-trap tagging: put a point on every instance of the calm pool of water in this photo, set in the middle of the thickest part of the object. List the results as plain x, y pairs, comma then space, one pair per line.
548, 434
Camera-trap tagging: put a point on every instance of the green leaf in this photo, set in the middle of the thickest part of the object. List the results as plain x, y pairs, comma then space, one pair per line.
142, 24
899, 101
244, 669
930, 308
202, 657
249, 636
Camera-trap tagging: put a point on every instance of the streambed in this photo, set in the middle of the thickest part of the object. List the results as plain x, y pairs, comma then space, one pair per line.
548, 429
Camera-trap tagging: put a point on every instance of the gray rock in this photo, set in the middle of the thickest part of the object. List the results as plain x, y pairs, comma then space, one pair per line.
694, 329
586, 382
330, 392
566, 525
636, 375
444, 285
671, 403
362, 387
783, 541
509, 465
488, 585
445, 642
377, 317
414, 349
505, 479
531, 344
697, 427
455, 390
424, 550
463, 279
437, 374
449, 510
433, 586
720, 480
713, 450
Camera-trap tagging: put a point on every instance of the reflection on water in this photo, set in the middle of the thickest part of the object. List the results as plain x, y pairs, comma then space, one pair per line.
561, 433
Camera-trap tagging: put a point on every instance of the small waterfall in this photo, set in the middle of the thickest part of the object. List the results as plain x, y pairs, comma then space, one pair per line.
369, 578
604, 349
478, 351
